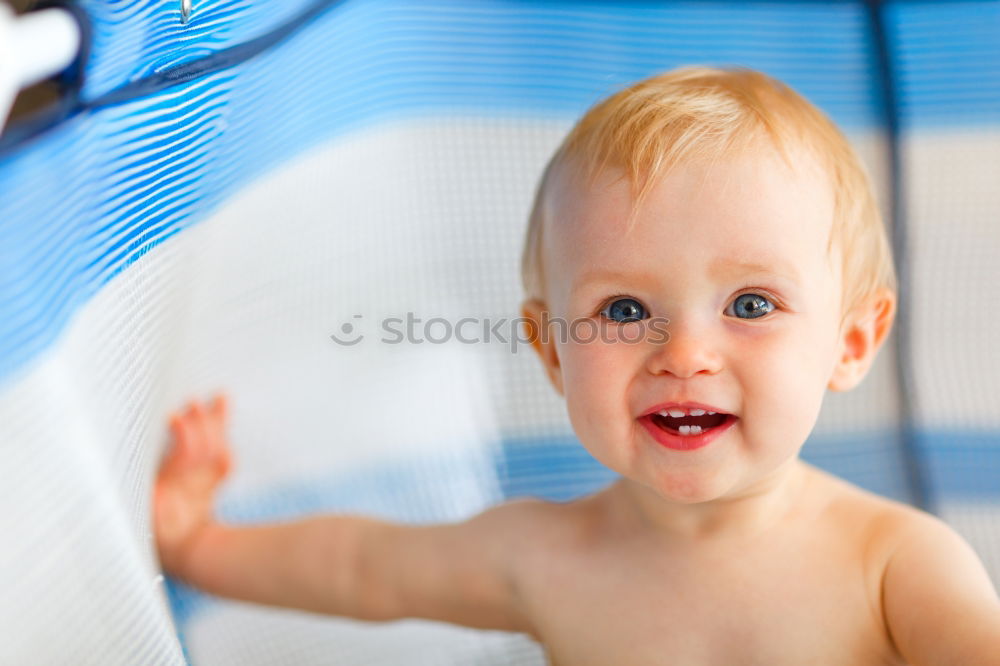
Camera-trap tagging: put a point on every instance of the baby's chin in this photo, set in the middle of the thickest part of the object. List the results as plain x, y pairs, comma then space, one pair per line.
690, 490
723, 483
679, 487
722, 486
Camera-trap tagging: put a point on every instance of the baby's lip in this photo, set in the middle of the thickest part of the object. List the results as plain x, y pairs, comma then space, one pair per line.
686, 406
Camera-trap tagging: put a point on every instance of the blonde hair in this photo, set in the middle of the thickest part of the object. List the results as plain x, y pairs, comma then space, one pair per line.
700, 112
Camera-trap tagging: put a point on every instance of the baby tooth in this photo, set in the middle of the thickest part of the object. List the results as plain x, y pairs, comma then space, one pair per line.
695, 430
676, 413
685, 430
697, 412
709, 413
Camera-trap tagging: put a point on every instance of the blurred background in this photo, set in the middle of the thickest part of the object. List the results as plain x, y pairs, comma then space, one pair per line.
210, 190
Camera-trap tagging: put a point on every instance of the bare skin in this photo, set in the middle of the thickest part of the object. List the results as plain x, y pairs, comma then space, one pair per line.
795, 593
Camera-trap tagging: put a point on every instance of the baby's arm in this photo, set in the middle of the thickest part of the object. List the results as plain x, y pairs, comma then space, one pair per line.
342, 565
939, 603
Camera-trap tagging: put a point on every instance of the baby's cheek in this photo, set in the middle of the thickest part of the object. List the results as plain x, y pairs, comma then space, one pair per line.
793, 387
596, 378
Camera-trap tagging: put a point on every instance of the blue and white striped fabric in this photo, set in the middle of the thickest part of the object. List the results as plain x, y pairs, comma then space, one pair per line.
225, 193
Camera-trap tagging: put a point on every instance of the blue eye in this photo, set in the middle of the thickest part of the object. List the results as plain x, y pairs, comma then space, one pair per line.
625, 310
750, 306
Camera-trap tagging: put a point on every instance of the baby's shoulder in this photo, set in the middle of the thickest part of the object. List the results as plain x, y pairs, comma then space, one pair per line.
880, 523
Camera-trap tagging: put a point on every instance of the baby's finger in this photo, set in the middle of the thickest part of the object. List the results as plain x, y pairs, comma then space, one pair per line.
220, 407
218, 417
201, 433
179, 455
214, 433
224, 462
173, 449
217, 449
187, 438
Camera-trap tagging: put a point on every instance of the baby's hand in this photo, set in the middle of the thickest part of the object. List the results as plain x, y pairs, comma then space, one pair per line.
198, 460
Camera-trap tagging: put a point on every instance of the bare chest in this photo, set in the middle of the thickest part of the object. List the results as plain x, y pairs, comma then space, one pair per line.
785, 603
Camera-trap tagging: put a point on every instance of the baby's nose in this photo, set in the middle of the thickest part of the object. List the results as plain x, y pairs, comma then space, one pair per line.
686, 353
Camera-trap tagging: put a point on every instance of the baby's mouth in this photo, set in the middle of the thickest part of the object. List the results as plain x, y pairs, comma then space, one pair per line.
683, 423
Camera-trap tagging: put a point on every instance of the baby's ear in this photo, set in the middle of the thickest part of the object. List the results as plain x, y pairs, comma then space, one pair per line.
537, 319
864, 330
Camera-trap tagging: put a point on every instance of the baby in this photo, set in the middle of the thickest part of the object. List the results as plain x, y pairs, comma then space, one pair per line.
719, 206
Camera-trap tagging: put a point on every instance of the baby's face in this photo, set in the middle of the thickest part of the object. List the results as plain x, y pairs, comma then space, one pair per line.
735, 256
